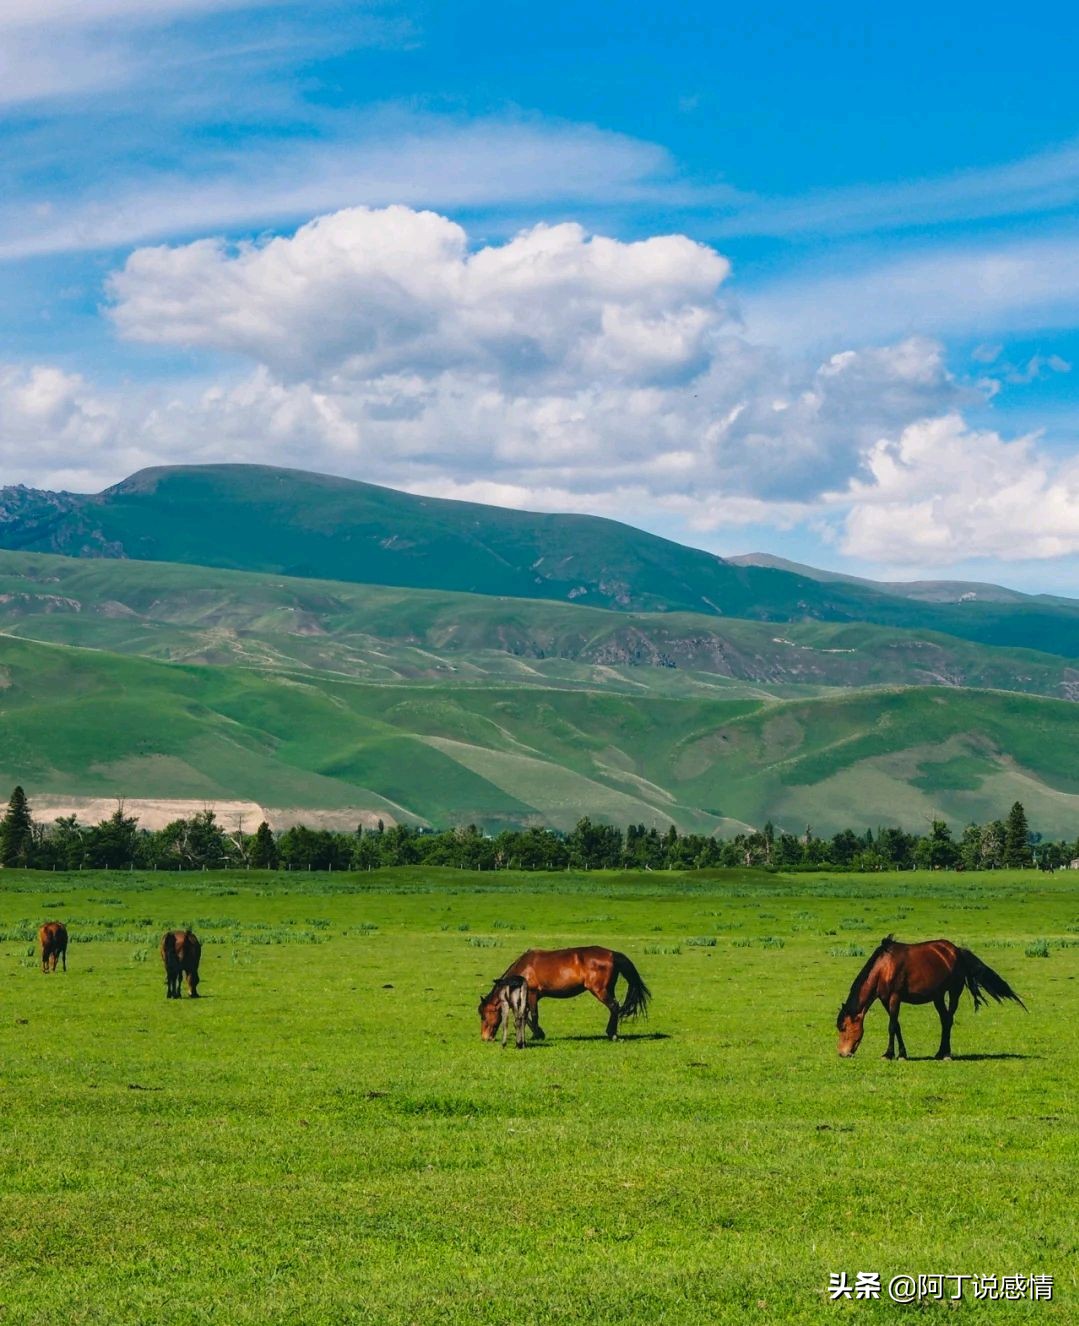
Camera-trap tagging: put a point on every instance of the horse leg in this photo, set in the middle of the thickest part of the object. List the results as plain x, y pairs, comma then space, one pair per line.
605, 995
533, 1015
63, 954
519, 1021
946, 1015
894, 1033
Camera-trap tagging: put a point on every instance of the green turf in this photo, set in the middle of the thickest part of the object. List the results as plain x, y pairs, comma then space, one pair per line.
324, 1139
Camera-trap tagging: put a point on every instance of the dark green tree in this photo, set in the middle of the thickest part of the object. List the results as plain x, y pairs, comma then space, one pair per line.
113, 842
17, 832
938, 851
1017, 837
264, 848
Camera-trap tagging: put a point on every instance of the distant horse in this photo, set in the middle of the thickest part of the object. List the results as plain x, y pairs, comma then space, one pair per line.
52, 940
563, 973
180, 952
513, 998
934, 972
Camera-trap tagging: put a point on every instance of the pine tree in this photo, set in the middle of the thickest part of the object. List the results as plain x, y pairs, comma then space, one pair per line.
16, 831
264, 848
1017, 837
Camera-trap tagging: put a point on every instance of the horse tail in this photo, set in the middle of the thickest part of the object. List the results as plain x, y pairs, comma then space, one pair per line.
638, 994
982, 980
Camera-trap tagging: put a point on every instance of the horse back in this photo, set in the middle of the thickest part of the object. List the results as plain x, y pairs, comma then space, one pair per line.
924, 969
562, 970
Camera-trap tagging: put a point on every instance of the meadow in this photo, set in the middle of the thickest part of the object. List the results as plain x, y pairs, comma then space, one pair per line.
323, 1138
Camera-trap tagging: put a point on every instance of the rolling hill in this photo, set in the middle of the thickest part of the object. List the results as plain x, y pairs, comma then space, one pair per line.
287, 522
85, 722
203, 615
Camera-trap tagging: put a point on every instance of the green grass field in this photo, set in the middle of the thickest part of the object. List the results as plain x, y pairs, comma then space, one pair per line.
323, 1138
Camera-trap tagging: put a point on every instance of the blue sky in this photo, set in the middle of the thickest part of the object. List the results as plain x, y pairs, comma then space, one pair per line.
882, 379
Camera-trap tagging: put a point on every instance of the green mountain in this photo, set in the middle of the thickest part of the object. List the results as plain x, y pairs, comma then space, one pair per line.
84, 722
377, 633
304, 525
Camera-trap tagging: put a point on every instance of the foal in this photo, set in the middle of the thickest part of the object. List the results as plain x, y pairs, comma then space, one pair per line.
513, 998
934, 972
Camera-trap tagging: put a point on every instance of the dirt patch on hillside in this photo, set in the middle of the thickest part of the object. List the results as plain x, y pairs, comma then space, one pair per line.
156, 812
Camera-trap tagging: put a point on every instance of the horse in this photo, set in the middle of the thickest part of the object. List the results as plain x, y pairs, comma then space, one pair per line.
935, 971
180, 952
52, 940
513, 998
562, 974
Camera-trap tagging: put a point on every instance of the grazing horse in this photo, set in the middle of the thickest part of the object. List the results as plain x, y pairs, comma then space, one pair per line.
934, 972
513, 998
180, 952
52, 940
563, 973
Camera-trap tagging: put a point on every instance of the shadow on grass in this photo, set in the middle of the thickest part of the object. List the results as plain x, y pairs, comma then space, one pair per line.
639, 1036
968, 1058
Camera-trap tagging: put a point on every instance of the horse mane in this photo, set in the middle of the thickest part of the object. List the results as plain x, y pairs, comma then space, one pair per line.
849, 1006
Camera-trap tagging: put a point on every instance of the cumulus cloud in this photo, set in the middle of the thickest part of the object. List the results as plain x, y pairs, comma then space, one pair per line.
942, 493
559, 361
559, 370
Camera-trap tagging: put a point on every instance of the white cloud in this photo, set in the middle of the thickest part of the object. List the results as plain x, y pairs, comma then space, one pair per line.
560, 360
942, 493
559, 370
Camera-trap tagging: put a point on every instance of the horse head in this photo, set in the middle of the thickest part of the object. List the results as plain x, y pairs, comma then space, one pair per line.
490, 1011
851, 1027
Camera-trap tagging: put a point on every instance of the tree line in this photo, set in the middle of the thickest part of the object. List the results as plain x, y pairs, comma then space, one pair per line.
200, 842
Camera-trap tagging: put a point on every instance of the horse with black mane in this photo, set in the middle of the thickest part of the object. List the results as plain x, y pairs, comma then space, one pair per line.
935, 972
52, 940
180, 952
562, 974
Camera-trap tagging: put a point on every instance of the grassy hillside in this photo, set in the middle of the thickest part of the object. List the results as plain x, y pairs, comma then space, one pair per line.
297, 524
376, 633
83, 722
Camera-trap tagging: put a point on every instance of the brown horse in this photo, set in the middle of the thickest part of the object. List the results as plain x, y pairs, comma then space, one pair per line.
563, 973
52, 940
180, 952
933, 972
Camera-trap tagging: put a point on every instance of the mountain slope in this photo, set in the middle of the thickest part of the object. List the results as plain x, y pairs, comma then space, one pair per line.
198, 614
83, 722
289, 522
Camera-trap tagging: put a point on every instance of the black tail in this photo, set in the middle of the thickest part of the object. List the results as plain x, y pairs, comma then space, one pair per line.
982, 980
638, 994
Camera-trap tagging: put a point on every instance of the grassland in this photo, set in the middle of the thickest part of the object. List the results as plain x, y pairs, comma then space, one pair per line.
324, 1139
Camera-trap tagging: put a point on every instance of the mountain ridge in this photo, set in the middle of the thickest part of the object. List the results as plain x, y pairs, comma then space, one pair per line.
289, 522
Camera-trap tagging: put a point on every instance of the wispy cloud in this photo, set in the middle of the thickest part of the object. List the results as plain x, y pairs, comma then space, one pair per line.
384, 157
1044, 182
950, 289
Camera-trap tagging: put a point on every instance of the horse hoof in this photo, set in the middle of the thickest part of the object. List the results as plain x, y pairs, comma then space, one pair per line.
886, 1055
944, 1058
